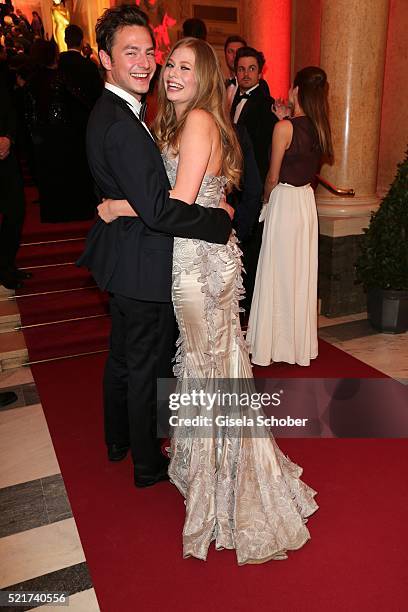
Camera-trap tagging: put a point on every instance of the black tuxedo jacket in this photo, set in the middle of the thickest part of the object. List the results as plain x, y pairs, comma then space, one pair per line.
133, 256
247, 200
259, 121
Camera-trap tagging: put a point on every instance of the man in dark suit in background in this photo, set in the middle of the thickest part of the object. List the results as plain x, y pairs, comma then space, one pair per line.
246, 199
252, 108
131, 257
78, 86
81, 73
12, 203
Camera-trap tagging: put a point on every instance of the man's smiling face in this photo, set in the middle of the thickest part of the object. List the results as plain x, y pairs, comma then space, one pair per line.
132, 64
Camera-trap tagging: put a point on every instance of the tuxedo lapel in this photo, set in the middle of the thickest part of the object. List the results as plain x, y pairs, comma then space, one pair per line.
234, 104
246, 110
249, 105
123, 104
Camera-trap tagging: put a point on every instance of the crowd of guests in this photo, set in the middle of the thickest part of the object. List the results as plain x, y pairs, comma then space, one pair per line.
53, 95
45, 102
15, 24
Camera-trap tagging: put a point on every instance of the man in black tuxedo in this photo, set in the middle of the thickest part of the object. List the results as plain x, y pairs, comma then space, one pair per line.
252, 108
132, 257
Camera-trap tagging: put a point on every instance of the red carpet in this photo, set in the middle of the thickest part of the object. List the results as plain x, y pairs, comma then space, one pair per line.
356, 560
62, 278
62, 253
61, 294
74, 338
331, 363
43, 308
35, 231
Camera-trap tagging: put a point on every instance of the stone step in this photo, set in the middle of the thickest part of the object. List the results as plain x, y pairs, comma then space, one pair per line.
9, 315
13, 350
5, 293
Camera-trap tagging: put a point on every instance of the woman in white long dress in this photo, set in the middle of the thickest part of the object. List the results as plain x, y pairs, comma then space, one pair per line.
240, 490
283, 318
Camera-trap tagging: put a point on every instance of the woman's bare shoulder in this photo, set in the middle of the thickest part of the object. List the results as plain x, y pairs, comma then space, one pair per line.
284, 127
198, 117
283, 132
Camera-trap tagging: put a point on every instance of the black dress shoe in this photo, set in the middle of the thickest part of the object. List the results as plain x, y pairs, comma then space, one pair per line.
7, 397
10, 280
147, 481
116, 452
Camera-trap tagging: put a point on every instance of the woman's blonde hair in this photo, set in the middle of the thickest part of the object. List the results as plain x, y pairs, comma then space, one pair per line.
211, 97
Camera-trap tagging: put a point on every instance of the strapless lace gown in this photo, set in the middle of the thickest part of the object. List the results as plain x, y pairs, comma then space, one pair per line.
240, 491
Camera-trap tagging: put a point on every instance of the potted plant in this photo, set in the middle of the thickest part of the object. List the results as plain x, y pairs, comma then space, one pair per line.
383, 263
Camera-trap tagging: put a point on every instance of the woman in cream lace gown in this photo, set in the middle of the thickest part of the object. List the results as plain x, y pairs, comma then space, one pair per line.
240, 490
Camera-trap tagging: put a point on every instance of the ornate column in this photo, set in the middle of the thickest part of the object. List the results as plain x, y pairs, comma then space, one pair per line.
267, 26
353, 47
394, 116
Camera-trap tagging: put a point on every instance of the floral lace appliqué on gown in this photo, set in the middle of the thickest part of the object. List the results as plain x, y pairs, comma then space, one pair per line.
240, 490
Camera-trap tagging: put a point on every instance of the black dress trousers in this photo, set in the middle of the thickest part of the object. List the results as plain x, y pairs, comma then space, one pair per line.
12, 207
141, 351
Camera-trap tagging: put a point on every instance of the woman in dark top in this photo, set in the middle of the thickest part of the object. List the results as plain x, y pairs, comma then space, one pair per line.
283, 319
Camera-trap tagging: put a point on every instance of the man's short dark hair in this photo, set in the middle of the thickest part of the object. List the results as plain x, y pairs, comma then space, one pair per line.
250, 52
73, 36
234, 39
43, 52
116, 18
195, 27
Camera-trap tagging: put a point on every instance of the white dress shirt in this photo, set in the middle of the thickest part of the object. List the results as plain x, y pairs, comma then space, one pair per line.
133, 103
242, 103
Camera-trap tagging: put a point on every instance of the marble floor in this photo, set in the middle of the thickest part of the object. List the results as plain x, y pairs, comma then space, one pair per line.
354, 335
40, 549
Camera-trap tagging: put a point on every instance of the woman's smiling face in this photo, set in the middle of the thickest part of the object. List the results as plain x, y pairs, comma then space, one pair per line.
179, 77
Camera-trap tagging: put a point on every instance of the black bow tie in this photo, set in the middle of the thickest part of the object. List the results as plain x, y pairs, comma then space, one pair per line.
231, 81
142, 112
244, 96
